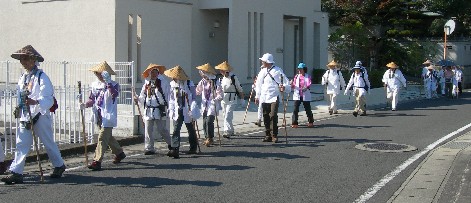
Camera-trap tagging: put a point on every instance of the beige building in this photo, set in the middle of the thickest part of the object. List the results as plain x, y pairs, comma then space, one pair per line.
169, 32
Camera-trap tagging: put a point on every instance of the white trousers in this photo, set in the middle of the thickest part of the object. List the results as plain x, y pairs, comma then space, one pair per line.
442, 86
24, 140
228, 113
2, 153
161, 130
333, 102
393, 96
430, 91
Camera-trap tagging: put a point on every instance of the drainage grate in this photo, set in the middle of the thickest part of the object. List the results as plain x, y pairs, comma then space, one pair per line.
385, 147
457, 145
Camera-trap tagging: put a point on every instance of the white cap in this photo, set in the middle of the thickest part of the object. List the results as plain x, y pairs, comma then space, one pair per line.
267, 58
358, 63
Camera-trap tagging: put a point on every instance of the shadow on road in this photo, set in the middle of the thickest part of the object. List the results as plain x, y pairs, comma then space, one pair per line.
126, 181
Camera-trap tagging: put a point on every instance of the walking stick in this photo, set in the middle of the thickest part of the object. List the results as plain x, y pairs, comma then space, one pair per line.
286, 104
284, 110
248, 101
35, 139
138, 108
85, 140
192, 122
213, 87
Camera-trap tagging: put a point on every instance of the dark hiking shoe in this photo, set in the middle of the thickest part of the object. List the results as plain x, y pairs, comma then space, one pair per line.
13, 178
267, 139
57, 173
117, 158
95, 166
174, 152
355, 113
192, 151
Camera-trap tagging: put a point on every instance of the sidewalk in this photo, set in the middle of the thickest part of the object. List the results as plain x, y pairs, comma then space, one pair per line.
443, 176
428, 183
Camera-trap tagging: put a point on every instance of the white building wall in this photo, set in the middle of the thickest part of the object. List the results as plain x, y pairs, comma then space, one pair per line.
173, 32
273, 12
79, 30
166, 33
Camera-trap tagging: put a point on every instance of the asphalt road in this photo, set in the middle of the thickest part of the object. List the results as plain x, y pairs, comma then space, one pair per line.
317, 165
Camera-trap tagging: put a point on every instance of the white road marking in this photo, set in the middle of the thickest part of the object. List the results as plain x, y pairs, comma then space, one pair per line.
381, 183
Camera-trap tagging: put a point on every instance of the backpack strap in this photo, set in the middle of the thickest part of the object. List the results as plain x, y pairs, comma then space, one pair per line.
39, 77
233, 83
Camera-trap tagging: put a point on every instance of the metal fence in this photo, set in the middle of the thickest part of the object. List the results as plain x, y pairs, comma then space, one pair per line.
66, 120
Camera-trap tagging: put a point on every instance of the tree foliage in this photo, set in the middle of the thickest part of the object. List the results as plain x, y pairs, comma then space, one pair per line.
377, 32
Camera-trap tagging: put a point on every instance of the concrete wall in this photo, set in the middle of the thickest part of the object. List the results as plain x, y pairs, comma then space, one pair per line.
178, 32
209, 43
75, 30
273, 23
166, 33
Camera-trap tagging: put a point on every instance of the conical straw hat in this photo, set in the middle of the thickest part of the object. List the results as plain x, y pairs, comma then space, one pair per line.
207, 68
151, 67
176, 72
427, 62
332, 64
28, 50
103, 66
224, 66
391, 65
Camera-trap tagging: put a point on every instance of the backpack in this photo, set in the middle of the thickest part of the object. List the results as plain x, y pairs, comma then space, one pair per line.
363, 77
55, 106
158, 84
233, 83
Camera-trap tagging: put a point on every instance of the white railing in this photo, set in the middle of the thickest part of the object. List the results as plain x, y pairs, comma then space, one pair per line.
66, 120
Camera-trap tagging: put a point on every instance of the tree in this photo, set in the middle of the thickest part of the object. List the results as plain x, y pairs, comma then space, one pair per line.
448, 9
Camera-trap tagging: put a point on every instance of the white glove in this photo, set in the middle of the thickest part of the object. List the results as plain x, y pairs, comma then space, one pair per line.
346, 92
82, 106
106, 77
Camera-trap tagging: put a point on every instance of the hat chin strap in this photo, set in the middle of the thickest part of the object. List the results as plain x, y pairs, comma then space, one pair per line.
36, 63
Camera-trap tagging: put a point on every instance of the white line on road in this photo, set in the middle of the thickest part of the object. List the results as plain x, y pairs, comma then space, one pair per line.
381, 183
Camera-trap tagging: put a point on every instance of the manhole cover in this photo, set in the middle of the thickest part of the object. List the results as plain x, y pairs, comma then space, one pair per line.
386, 147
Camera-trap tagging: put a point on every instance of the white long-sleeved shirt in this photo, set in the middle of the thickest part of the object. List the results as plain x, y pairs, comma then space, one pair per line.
42, 91
358, 81
104, 102
458, 74
210, 99
155, 98
230, 90
394, 79
267, 88
176, 98
333, 78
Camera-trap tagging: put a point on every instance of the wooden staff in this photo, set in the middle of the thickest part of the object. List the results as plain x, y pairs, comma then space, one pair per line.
35, 138
82, 116
284, 110
138, 108
248, 102
213, 87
